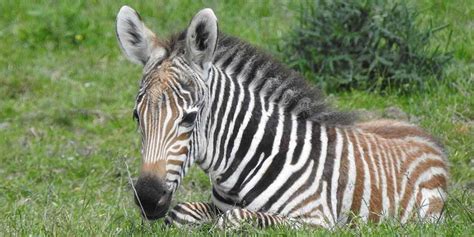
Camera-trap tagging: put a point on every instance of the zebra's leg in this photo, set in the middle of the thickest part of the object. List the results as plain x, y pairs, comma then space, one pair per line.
236, 218
192, 213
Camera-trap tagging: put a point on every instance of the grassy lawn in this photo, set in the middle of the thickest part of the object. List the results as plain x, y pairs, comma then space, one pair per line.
66, 99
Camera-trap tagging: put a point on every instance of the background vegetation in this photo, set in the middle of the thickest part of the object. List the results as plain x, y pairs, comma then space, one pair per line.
373, 44
66, 97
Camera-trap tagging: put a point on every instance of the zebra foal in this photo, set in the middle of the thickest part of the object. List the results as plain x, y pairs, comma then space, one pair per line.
275, 152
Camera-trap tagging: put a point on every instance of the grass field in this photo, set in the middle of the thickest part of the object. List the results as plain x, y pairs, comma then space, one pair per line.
66, 99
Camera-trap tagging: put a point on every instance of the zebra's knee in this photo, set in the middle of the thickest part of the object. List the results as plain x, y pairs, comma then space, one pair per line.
179, 215
173, 219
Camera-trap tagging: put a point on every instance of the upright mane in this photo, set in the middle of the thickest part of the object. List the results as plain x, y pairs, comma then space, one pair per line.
281, 84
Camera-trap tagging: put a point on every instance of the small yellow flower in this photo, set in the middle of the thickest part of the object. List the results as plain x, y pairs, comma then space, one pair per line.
79, 37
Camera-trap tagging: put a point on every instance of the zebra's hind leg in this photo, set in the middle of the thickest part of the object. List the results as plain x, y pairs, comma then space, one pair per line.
431, 204
192, 213
236, 218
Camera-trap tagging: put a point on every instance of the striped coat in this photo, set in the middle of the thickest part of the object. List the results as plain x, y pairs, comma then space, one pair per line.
323, 175
275, 152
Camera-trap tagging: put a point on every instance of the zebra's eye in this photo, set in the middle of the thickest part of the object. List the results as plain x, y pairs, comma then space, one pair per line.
188, 119
135, 116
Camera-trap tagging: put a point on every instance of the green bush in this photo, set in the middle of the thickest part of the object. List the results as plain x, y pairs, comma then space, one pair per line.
373, 45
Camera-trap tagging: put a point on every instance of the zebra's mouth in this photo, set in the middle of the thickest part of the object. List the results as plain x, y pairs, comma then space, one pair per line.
152, 197
156, 216
156, 213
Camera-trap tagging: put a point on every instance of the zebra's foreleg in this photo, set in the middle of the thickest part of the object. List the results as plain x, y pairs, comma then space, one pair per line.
192, 213
237, 218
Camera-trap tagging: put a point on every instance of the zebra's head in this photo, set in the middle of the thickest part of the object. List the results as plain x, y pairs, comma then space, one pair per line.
171, 103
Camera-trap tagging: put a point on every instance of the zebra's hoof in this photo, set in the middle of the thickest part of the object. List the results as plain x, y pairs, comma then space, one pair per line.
168, 221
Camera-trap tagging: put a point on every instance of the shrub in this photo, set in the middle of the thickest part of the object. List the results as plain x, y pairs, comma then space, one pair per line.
364, 45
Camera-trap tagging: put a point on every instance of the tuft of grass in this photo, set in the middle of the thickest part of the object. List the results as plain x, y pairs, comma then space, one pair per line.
373, 45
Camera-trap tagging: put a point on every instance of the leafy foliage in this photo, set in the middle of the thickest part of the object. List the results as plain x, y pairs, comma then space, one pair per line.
366, 45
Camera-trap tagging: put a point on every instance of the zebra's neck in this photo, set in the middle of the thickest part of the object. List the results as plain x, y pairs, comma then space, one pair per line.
247, 131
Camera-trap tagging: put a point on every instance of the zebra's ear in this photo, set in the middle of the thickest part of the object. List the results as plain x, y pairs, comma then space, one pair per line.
137, 42
201, 40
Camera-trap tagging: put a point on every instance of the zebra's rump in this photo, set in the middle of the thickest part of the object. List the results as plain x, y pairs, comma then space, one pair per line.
382, 169
417, 164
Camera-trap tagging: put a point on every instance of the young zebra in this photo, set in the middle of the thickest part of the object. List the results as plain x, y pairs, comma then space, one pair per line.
275, 153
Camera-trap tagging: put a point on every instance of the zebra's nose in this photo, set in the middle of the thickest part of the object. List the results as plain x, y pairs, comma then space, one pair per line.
152, 197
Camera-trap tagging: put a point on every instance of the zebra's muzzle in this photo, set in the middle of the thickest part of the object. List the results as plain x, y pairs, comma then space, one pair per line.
152, 197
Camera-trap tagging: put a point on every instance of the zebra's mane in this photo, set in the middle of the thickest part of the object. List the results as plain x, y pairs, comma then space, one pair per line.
281, 84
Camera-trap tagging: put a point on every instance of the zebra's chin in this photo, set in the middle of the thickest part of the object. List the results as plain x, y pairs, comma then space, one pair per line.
159, 211
155, 217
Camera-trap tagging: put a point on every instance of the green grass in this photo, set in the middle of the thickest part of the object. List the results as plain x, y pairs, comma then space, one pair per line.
66, 129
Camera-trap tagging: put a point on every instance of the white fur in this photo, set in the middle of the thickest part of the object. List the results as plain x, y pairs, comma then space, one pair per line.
128, 21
